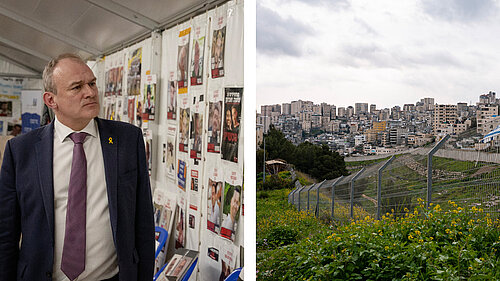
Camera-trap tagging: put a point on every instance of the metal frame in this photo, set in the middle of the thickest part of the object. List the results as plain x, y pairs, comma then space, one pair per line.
429, 168
24, 49
379, 185
333, 195
125, 13
317, 198
49, 31
351, 213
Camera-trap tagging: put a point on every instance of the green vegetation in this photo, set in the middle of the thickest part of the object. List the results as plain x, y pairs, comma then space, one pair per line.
317, 161
278, 181
456, 244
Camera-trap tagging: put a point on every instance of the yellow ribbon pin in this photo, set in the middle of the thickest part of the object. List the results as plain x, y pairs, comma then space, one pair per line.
110, 140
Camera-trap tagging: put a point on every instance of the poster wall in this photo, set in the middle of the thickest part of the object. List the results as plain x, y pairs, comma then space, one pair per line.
193, 106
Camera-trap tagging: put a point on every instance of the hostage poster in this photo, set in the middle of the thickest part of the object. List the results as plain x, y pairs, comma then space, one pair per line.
171, 151
196, 134
231, 210
214, 126
183, 129
232, 118
217, 56
134, 73
172, 100
183, 60
197, 53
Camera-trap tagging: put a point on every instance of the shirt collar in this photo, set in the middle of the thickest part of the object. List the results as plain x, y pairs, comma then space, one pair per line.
62, 131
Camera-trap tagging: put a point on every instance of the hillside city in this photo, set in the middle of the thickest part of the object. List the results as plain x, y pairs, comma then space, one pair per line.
366, 130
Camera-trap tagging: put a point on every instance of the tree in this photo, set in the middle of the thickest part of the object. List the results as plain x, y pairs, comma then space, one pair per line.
318, 161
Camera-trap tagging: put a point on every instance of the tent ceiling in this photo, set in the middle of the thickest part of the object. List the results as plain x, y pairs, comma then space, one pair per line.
33, 31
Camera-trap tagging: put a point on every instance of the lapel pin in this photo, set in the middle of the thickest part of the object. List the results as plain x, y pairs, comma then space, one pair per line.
110, 140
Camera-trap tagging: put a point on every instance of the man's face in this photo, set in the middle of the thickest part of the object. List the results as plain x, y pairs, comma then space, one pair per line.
235, 203
228, 118
77, 98
214, 193
216, 120
235, 116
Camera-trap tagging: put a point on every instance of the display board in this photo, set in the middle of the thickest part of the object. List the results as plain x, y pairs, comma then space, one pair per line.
181, 88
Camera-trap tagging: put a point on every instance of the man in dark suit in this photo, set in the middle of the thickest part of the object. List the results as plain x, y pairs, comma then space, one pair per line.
42, 176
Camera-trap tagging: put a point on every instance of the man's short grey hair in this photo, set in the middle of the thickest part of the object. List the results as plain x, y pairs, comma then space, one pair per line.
48, 82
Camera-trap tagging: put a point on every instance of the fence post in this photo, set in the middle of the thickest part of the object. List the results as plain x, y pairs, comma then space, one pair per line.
297, 187
317, 198
299, 196
379, 186
429, 168
333, 195
352, 191
309, 189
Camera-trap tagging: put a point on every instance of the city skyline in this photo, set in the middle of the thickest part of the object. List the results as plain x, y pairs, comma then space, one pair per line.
343, 52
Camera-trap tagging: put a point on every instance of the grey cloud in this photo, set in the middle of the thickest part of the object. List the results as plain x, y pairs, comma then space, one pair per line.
277, 35
367, 28
375, 56
340, 4
460, 10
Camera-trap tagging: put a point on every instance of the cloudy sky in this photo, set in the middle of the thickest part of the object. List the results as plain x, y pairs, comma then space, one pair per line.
380, 52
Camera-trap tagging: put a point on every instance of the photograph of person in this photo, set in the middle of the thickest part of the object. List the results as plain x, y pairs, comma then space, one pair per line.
232, 119
181, 266
214, 202
138, 113
149, 101
183, 129
172, 264
180, 228
172, 100
171, 157
119, 81
182, 66
232, 198
230, 138
6, 108
217, 59
225, 271
131, 110
197, 62
214, 126
134, 73
196, 131
235, 118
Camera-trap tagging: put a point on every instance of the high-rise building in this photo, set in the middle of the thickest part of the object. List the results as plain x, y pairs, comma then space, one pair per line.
486, 114
326, 109
266, 110
489, 98
444, 116
296, 107
373, 108
286, 108
333, 112
428, 103
350, 111
341, 111
361, 108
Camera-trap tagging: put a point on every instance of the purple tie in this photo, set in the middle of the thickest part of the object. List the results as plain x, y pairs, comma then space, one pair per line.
73, 255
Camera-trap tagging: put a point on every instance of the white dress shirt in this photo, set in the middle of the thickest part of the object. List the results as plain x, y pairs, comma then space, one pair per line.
100, 256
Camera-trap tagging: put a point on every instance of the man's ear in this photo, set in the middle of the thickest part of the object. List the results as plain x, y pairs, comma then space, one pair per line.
49, 100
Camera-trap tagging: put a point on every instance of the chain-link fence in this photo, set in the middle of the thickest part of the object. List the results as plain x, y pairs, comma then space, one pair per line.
393, 186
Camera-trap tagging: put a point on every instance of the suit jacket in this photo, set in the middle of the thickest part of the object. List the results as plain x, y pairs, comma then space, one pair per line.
27, 203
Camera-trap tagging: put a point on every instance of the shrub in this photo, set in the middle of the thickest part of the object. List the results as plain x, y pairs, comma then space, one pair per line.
424, 244
282, 235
